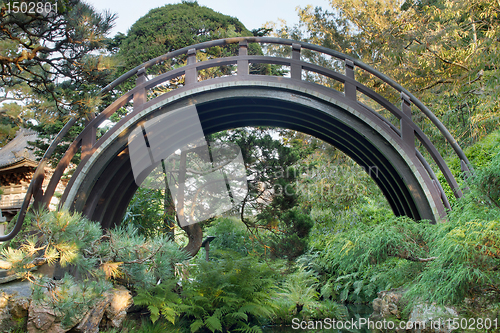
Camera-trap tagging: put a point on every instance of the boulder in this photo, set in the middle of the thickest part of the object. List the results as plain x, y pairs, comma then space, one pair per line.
433, 317
42, 318
14, 304
19, 307
108, 313
120, 302
387, 304
424, 318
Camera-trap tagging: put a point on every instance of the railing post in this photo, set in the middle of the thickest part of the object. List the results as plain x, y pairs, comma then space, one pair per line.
140, 97
243, 64
296, 69
407, 132
191, 74
88, 140
349, 89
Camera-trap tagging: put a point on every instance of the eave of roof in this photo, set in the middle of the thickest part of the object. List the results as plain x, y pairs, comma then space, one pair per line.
16, 151
18, 163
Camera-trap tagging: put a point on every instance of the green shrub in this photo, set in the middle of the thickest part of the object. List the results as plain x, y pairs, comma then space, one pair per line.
231, 235
120, 255
68, 298
357, 263
480, 155
467, 252
227, 295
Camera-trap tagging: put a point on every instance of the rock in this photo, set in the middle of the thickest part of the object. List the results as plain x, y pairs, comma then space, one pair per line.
4, 300
5, 318
109, 312
387, 304
120, 302
424, 318
41, 318
19, 288
14, 304
90, 323
5, 264
433, 317
19, 307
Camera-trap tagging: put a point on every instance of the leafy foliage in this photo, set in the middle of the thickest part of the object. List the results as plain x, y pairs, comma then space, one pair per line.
175, 26
364, 260
146, 212
468, 257
443, 51
300, 289
121, 254
160, 300
225, 295
467, 246
291, 237
53, 64
61, 237
231, 235
68, 298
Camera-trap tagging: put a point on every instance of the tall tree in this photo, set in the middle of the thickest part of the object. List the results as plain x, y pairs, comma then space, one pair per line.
445, 51
173, 27
53, 63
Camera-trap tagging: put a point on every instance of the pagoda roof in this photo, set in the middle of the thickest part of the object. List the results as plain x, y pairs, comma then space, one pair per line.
16, 153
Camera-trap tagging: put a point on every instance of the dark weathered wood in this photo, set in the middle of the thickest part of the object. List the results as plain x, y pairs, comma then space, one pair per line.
243, 64
191, 72
296, 67
89, 138
349, 87
408, 132
140, 96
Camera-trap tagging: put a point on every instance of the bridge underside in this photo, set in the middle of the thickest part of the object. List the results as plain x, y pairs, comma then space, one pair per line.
105, 188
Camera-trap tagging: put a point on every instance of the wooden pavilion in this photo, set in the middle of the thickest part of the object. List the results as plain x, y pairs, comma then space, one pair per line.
17, 166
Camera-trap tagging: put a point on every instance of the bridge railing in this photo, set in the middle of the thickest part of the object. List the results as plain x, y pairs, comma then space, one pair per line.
408, 130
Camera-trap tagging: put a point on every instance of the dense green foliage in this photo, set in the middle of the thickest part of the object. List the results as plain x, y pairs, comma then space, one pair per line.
443, 51
146, 212
173, 27
228, 294
62, 239
443, 263
225, 294
52, 66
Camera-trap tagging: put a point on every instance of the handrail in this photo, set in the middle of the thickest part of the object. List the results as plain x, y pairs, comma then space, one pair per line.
312, 47
243, 41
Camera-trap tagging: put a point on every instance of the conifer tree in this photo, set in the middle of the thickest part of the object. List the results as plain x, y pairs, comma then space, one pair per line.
54, 63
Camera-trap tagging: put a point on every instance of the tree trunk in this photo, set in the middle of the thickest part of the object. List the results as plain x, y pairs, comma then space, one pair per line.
194, 232
169, 207
195, 235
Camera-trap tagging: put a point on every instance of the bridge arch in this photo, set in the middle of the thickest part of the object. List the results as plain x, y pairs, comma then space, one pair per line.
103, 183
104, 186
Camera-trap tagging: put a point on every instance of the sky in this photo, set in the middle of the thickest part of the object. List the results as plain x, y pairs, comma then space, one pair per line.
253, 14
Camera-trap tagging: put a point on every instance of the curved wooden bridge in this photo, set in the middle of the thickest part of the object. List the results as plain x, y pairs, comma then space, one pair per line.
103, 183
